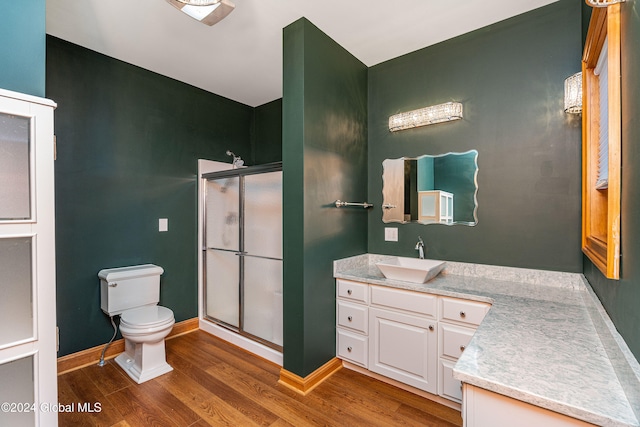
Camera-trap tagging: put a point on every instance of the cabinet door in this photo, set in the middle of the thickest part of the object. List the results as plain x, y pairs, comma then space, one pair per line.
27, 261
404, 347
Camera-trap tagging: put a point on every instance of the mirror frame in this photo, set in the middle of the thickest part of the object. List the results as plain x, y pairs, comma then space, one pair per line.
475, 194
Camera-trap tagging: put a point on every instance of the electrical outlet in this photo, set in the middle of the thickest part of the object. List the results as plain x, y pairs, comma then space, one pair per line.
163, 224
390, 234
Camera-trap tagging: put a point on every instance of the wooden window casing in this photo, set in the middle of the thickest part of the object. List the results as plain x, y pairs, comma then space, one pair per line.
601, 208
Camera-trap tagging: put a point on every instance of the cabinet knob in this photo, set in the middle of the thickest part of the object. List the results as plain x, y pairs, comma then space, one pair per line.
349, 349
349, 291
462, 347
431, 327
463, 314
350, 318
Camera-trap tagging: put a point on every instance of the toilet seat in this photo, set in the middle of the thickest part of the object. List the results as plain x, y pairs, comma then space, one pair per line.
146, 317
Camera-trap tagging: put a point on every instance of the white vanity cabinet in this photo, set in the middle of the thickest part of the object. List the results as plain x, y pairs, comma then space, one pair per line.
483, 408
408, 336
458, 322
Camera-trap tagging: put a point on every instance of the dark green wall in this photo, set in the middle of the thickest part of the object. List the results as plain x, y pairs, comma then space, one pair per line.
425, 174
621, 298
324, 158
266, 134
128, 142
509, 77
455, 174
22, 46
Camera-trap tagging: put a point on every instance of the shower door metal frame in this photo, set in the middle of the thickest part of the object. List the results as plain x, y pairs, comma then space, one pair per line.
232, 173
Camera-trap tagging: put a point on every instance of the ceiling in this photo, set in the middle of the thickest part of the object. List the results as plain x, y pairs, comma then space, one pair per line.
241, 57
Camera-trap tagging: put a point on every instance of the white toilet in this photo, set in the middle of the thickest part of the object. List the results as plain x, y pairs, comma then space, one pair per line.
133, 293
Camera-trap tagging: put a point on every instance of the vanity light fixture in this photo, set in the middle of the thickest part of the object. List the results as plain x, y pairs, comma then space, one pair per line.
573, 94
206, 11
446, 112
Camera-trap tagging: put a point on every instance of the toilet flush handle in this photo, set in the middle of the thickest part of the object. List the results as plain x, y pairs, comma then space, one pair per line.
113, 285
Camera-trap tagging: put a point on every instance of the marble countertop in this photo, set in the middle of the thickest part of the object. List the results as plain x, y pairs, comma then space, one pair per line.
546, 340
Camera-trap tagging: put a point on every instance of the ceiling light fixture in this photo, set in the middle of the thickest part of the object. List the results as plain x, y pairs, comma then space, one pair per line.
603, 3
199, 2
206, 11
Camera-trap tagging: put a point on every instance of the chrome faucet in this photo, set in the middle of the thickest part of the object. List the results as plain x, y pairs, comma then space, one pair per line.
420, 247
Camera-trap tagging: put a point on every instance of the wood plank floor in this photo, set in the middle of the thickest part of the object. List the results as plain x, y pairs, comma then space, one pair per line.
215, 383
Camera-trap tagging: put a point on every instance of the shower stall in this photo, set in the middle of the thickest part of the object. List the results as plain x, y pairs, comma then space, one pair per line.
242, 252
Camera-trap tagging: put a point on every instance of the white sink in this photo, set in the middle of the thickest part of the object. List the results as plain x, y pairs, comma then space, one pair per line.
411, 269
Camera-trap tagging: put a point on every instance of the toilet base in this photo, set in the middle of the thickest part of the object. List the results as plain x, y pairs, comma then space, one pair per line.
143, 361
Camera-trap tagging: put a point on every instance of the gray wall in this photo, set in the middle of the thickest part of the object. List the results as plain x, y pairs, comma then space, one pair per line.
509, 77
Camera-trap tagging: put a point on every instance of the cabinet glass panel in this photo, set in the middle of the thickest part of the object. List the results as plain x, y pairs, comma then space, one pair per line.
223, 213
16, 289
222, 284
428, 205
17, 388
263, 298
15, 170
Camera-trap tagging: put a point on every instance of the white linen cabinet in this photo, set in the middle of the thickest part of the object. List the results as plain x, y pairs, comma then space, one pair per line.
28, 387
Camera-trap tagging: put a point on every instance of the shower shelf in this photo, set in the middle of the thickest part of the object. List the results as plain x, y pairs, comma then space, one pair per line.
341, 204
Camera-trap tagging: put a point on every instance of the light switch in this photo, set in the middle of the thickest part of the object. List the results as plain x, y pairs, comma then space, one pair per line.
390, 234
163, 224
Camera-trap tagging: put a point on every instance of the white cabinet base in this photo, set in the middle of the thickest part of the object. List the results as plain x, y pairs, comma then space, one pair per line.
484, 408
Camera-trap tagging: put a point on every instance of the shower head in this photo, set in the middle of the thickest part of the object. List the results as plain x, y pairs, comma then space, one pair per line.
237, 161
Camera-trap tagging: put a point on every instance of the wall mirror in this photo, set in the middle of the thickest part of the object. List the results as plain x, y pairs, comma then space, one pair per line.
440, 189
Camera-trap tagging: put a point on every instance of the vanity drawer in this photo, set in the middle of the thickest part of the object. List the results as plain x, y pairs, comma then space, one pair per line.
463, 311
454, 339
352, 347
449, 387
353, 316
352, 290
416, 302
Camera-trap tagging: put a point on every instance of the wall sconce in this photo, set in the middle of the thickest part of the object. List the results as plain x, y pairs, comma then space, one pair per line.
426, 116
573, 94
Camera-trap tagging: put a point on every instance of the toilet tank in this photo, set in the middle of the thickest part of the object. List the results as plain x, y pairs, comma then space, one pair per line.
124, 288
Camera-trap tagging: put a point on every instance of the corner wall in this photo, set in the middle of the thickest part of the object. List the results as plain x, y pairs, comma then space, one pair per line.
324, 154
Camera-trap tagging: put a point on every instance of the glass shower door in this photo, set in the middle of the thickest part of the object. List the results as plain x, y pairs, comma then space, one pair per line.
222, 264
243, 247
262, 291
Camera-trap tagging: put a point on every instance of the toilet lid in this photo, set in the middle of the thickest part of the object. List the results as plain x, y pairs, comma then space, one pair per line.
145, 316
